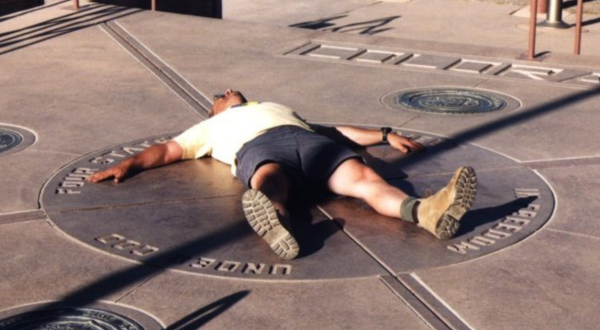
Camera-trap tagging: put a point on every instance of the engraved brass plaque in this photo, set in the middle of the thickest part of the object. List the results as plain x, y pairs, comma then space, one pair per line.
69, 319
14, 139
188, 216
450, 101
9, 139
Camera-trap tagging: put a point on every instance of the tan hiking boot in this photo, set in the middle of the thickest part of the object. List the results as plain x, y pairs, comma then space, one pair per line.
267, 223
440, 214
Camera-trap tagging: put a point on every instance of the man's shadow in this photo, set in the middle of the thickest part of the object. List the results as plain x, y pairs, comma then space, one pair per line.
310, 227
480, 217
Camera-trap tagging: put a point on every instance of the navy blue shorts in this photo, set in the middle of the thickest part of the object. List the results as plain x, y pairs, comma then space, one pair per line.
308, 158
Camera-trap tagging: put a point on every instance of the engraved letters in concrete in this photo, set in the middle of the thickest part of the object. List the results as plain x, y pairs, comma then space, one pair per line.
122, 243
74, 180
252, 268
423, 61
505, 228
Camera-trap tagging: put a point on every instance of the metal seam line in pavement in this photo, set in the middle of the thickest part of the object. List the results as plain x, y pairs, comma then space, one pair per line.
414, 303
432, 311
22, 216
425, 294
562, 162
174, 81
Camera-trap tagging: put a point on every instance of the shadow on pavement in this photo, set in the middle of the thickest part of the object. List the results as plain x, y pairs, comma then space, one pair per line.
56, 27
521, 116
112, 283
203, 8
371, 27
474, 218
205, 314
25, 12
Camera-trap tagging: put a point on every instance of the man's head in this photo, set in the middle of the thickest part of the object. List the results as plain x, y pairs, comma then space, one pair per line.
225, 101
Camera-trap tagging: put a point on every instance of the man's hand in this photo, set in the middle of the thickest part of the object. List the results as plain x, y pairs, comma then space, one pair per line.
369, 137
153, 156
403, 143
118, 173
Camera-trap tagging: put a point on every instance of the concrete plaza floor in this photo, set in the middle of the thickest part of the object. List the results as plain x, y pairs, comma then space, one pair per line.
170, 249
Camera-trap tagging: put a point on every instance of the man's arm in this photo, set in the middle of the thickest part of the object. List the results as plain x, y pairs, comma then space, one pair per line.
153, 156
368, 137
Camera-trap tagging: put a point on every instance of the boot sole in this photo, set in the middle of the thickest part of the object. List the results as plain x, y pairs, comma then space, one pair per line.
264, 220
466, 189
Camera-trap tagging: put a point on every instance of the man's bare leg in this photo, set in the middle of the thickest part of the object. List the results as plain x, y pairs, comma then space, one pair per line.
264, 207
439, 214
355, 179
272, 181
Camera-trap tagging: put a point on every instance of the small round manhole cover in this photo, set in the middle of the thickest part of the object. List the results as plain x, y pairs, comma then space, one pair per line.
14, 139
450, 101
68, 318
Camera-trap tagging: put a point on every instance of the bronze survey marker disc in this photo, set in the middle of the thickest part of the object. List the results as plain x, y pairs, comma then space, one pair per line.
98, 317
450, 101
14, 139
188, 215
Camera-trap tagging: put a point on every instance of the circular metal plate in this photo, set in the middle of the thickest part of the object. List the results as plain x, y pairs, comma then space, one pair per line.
450, 101
42, 317
188, 215
9, 139
14, 139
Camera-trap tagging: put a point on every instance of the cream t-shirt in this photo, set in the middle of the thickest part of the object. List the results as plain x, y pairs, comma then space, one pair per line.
223, 135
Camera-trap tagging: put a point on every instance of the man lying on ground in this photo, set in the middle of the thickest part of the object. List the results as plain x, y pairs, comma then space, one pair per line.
273, 151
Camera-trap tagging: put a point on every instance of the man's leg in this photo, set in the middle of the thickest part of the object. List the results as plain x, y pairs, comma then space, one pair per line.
439, 214
355, 179
264, 207
272, 181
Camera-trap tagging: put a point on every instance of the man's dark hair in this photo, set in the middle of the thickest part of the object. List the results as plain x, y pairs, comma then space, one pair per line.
244, 100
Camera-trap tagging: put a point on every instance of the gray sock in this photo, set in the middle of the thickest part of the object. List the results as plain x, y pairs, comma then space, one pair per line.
408, 208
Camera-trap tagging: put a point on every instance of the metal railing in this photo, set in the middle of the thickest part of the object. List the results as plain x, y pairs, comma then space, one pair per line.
533, 25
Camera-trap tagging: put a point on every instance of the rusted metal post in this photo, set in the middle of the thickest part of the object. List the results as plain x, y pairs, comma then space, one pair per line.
76, 4
542, 6
532, 30
153, 5
578, 27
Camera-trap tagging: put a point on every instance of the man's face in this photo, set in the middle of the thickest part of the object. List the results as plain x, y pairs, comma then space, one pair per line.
223, 102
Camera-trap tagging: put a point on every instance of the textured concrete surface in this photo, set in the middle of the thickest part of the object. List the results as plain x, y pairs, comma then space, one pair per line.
170, 248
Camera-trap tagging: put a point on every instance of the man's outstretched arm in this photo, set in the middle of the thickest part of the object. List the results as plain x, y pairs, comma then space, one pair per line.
368, 137
153, 156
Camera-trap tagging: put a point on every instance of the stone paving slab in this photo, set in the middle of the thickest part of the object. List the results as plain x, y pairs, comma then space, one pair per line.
544, 282
208, 303
40, 265
563, 109
161, 67
576, 186
86, 98
22, 188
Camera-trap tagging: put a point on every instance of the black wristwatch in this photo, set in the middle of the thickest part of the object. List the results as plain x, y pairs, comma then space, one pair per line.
384, 134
